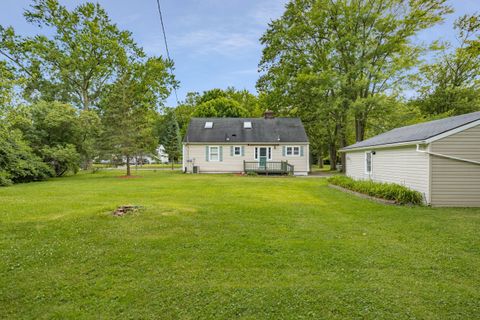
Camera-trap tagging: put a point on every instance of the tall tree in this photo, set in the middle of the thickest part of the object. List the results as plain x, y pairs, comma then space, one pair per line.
130, 106
451, 85
344, 55
77, 61
171, 139
221, 107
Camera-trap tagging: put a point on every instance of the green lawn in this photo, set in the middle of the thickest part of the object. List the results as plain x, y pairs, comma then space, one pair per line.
225, 247
143, 166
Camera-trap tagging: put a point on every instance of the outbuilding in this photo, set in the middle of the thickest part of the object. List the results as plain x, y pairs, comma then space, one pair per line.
440, 159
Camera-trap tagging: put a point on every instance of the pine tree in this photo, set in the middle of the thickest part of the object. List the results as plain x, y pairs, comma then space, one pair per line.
171, 139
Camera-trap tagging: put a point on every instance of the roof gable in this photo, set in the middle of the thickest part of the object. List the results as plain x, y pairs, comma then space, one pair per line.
231, 130
418, 132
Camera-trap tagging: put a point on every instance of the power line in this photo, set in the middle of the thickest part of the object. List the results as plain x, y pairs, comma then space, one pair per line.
166, 42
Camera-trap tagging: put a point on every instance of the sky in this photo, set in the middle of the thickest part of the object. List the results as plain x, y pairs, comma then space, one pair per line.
214, 43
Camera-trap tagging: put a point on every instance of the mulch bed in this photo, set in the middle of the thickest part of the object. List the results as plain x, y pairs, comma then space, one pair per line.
128, 177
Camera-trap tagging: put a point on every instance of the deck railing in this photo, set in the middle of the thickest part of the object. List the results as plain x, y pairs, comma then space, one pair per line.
279, 167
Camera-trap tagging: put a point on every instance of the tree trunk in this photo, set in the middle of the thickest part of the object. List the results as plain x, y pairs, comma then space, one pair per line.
128, 166
320, 157
332, 150
360, 123
173, 161
343, 155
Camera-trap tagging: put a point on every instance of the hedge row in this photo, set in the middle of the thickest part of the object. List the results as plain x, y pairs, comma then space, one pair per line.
389, 191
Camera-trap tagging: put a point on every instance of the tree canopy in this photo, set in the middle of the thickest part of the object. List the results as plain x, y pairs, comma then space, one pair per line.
338, 60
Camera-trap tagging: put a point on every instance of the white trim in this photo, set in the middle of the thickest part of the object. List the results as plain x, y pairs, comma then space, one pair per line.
371, 162
446, 156
240, 149
210, 153
293, 153
391, 145
453, 131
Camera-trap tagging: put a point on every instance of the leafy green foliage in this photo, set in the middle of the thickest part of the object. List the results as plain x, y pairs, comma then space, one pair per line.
130, 105
17, 161
77, 61
389, 191
62, 158
451, 85
219, 108
57, 132
170, 137
333, 62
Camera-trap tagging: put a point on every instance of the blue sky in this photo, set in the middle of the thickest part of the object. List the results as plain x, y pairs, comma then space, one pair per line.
214, 43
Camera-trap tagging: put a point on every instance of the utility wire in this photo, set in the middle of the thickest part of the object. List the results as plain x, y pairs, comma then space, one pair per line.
166, 43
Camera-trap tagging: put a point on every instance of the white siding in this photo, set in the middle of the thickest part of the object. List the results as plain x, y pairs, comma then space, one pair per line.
403, 165
196, 153
456, 183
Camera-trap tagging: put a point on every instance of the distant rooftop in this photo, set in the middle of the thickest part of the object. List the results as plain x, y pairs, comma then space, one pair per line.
417, 132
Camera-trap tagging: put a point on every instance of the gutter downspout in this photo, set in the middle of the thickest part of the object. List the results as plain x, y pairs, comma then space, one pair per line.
446, 156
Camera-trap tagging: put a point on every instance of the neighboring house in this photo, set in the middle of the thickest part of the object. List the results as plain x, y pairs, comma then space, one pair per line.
441, 159
160, 157
263, 145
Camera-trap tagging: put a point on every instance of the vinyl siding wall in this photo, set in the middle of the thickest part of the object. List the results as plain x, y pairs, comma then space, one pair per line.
403, 165
456, 183
229, 163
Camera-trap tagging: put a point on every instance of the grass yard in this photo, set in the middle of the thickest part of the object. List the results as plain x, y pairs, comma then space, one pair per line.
143, 166
225, 247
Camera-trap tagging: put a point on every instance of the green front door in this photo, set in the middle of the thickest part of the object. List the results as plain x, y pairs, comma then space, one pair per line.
262, 158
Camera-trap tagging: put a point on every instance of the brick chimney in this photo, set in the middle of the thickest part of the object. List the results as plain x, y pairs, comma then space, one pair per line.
269, 114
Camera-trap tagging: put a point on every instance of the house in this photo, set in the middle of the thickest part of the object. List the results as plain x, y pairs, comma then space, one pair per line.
440, 158
160, 156
263, 145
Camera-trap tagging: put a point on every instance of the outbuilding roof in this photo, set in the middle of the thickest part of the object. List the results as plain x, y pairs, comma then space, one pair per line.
417, 132
231, 130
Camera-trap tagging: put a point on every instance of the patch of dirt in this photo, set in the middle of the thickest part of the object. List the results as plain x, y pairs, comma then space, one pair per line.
127, 209
128, 177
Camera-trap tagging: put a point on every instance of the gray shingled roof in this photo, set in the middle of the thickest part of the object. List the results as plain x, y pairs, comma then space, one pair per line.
417, 132
276, 130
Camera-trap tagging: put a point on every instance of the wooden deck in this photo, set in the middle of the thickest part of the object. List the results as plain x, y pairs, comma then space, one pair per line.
270, 167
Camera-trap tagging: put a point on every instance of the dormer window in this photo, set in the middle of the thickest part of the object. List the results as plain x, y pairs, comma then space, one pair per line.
247, 125
208, 125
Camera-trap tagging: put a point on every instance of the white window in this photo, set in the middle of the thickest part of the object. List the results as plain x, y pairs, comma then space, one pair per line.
214, 153
368, 162
247, 125
208, 125
292, 151
237, 151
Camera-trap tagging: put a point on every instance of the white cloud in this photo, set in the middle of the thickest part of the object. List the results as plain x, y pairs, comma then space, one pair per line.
265, 11
213, 41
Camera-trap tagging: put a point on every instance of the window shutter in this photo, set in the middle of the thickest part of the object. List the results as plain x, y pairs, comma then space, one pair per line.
231, 151
283, 150
221, 153
206, 153
301, 151
243, 151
